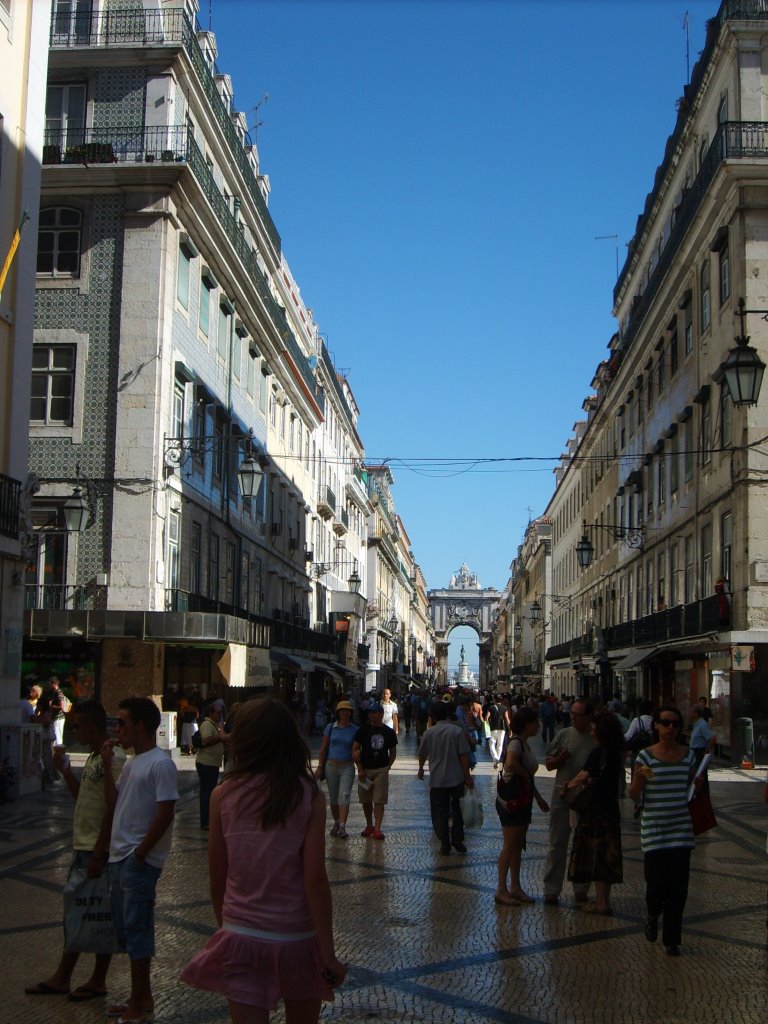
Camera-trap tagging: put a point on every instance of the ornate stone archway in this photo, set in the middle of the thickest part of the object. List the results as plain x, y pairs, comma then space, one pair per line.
464, 602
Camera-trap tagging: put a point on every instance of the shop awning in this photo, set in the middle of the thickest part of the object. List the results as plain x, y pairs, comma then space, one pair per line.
634, 658
336, 665
304, 663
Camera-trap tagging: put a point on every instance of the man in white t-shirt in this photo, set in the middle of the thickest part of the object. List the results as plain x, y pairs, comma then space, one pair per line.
390, 711
144, 807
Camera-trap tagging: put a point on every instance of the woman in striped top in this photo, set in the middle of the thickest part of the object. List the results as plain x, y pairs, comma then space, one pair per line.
663, 773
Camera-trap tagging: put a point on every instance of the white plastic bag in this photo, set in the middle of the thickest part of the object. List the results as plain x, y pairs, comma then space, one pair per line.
471, 810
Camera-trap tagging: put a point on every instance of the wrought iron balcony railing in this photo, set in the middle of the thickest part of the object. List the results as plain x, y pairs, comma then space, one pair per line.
56, 597
734, 140
709, 615
174, 144
115, 27
172, 27
330, 371
220, 207
10, 493
113, 145
267, 631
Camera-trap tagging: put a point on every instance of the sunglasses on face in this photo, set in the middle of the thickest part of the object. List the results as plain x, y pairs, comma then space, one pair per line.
670, 723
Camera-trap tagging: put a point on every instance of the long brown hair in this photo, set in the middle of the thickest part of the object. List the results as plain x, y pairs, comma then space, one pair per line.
266, 741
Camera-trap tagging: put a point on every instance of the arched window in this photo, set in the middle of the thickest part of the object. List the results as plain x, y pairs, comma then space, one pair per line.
59, 242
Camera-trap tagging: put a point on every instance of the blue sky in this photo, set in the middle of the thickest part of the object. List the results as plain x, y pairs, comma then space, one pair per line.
439, 173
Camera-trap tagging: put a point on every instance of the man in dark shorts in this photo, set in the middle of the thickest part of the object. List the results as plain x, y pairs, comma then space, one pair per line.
374, 752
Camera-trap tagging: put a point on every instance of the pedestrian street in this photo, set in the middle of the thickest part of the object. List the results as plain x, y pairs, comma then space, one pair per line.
420, 931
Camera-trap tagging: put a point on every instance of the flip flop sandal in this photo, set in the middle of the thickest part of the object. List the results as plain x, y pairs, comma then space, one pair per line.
84, 992
43, 989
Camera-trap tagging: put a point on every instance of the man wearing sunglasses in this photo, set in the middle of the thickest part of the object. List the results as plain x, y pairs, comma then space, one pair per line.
144, 806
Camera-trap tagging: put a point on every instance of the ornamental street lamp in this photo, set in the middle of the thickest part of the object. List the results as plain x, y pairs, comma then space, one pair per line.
75, 512
633, 537
743, 369
354, 582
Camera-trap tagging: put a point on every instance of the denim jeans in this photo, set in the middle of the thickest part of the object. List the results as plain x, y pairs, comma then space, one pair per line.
133, 884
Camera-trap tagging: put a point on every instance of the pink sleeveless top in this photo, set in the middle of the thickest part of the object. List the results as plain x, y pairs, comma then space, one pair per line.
265, 870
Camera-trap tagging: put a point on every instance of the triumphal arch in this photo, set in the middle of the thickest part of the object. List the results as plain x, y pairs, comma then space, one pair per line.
464, 602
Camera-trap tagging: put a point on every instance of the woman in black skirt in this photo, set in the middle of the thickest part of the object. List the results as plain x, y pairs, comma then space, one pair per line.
596, 853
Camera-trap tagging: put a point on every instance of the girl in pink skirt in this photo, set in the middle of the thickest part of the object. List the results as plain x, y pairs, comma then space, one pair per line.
269, 887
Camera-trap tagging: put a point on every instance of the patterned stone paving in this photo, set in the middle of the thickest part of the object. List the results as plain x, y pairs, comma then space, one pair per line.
421, 933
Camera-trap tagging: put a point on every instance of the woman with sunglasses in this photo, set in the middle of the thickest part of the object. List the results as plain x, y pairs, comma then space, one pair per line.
663, 773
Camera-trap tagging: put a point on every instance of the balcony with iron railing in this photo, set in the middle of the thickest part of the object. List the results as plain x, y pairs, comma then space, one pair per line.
330, 372
267, 631
59, 597
383, 537
698, 618
341, 523
10, 496
326, 502
173, 144
734, 140
226, 219
134, 27
116, 145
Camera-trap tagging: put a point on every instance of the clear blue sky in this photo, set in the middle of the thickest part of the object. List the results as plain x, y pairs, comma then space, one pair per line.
439, 171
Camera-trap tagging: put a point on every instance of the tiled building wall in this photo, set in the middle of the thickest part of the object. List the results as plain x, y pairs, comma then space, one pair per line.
94, 311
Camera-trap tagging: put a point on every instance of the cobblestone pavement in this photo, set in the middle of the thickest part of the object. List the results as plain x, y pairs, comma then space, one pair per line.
420, 931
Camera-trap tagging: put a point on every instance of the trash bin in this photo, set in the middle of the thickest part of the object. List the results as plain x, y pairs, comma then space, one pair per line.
743, 740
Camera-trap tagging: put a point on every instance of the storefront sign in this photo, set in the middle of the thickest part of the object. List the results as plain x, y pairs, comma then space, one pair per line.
246, 666
743, 658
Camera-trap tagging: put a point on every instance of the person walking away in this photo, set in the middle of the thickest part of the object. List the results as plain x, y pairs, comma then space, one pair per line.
89, 842
44, 717
143, 808
616, 708
565, 711
498, 719
663, 774
210, 755
391, 717
407, 703
567, 754
422, 715
596, 854
59, 705
334, 762
269, 887
521, 762
446, 747
702, 740
639, 734
465, 720
188, 715
374, 752
548, 712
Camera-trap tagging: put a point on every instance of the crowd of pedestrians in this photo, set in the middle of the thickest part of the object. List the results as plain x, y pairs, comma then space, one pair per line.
267, 820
